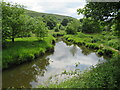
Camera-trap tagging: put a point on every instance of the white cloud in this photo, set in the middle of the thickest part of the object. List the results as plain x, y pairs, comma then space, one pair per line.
62, 7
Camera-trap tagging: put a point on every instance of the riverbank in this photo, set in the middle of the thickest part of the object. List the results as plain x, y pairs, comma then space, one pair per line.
25, 50
105, 75
102, 44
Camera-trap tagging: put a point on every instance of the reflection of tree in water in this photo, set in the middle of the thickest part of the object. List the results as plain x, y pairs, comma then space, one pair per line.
24, 75
40, 68
85, 51
73, 50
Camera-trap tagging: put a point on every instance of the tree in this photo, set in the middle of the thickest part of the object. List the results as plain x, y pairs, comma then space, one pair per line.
65, 21
11, 21
50, 21
57, 27
89, 26
73, 27
101, 10
115, 29
40, 28
14, 22
27, 25
61, 27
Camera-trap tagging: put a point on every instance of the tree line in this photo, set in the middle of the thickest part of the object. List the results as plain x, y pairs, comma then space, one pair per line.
16, 23
101, 16
97, 18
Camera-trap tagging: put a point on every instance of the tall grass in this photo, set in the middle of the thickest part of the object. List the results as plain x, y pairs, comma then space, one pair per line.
55, 34
24, 49
95, 40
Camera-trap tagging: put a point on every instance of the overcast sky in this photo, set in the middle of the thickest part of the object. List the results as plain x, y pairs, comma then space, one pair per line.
62, 7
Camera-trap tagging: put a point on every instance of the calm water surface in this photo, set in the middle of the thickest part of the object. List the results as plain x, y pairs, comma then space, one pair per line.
37, 72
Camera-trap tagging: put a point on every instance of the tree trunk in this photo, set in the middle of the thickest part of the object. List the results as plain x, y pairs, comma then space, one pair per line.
13, 39
13, 36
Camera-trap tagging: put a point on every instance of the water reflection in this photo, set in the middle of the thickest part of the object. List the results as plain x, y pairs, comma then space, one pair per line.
37, 72
85, 50
24, 74
73, 50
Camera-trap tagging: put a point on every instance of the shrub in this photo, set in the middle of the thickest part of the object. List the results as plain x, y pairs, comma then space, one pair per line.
71, 30
89, 26
100, 52
56, 30
61, 27
115, 28
108, 52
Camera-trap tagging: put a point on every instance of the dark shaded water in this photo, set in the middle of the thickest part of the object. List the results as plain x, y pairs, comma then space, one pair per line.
37, 72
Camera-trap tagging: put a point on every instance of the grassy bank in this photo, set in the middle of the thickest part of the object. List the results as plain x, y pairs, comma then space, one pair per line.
105, 75
55, 34
25, 49
103, 44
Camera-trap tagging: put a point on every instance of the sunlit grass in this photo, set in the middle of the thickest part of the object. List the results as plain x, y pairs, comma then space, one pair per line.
24, 49
59, 33
107, 40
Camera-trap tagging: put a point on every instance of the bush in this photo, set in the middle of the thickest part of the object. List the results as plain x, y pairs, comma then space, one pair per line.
71, 30
61, 27
56, 29
89, 26
115, 28
106, 51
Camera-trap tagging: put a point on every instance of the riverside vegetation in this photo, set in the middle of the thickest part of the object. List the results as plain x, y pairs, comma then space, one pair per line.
28, 35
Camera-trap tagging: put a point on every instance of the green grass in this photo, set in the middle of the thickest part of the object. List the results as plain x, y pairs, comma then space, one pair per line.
96, 41
55, 34
24, 49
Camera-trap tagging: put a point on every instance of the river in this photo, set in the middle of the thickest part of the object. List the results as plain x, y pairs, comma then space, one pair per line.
65, 57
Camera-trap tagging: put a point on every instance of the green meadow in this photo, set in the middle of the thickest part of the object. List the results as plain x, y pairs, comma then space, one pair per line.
25, 49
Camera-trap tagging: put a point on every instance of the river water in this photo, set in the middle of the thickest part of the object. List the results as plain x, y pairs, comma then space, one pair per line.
65, 57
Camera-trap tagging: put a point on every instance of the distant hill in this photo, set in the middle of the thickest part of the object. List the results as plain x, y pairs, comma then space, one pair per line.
36, 14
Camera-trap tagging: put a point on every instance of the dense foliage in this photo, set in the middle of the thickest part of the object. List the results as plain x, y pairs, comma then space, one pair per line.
12, 23
73, 27
101, 11
65, 22
40, 28
107, 17
89, 26
17, 24
50, 21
